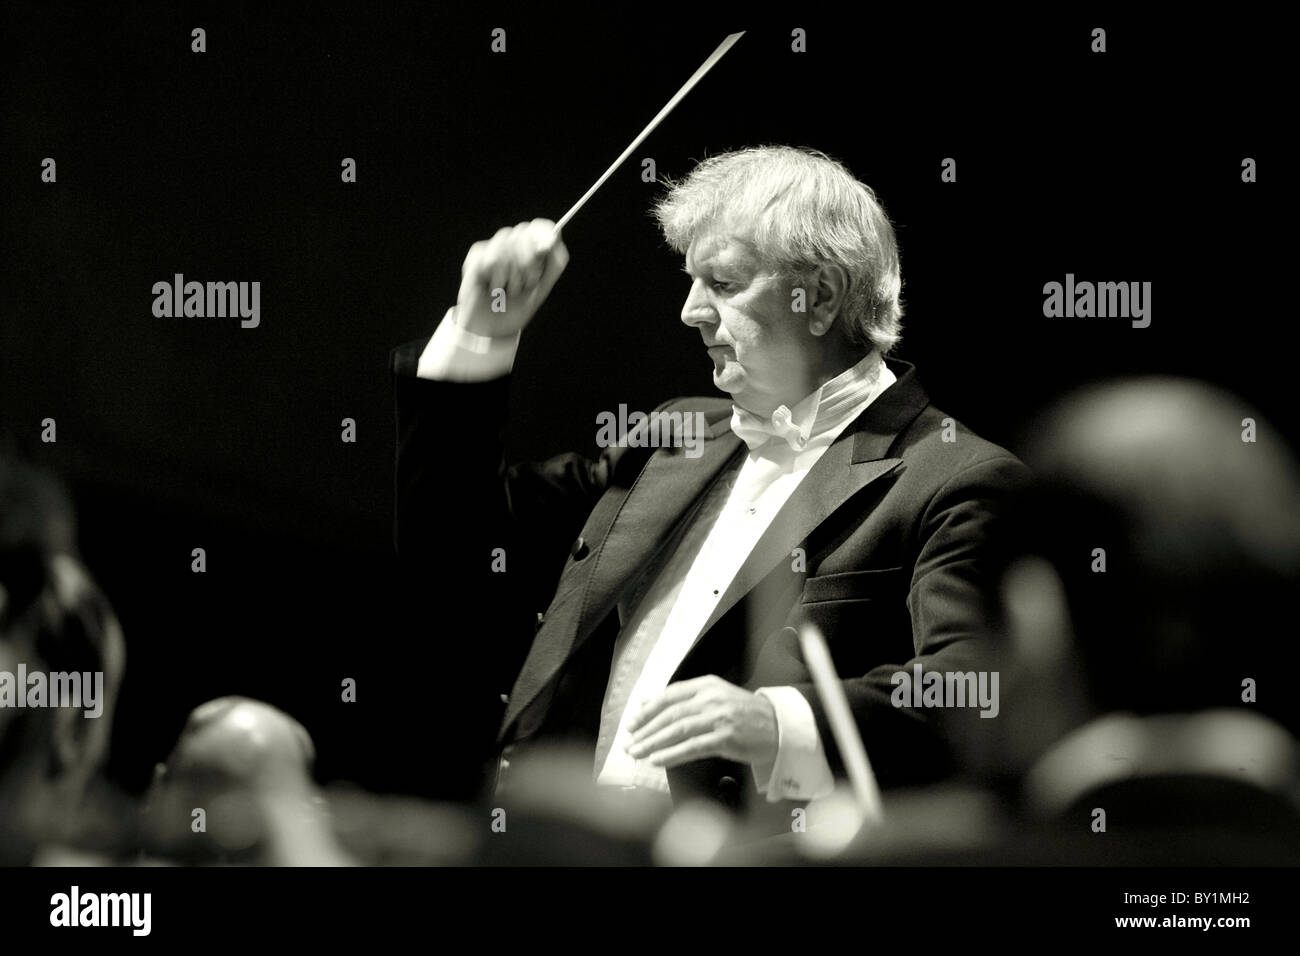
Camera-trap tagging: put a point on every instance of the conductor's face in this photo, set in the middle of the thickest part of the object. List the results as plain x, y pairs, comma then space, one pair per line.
760, 350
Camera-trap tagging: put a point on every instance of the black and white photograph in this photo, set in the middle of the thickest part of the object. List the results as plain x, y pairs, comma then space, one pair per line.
807, 457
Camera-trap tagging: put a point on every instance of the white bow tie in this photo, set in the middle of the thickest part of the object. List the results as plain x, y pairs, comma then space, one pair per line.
756, 431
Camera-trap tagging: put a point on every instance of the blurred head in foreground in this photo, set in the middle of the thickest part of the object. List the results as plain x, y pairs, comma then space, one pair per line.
238, 788
62, 657
1165, 544
1148, 611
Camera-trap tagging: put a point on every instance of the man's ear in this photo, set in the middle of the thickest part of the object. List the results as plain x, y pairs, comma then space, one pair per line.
1038, 618
80, 743
827, 288
1047, 698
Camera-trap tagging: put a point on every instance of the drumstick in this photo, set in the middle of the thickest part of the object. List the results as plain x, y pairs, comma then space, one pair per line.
698, 75
818, 658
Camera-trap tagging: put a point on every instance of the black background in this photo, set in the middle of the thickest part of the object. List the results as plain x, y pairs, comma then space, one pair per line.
225, 166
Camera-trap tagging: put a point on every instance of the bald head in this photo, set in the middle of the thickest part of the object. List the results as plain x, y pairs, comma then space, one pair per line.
1175, 539
238, 788
1168, 455
237, 740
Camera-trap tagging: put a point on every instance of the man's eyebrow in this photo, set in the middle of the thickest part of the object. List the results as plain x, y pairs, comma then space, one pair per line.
714, 267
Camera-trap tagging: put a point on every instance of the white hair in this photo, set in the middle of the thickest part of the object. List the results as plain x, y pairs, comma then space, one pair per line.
800, 210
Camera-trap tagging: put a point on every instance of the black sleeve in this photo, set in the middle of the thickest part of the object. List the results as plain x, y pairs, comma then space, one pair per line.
480, 544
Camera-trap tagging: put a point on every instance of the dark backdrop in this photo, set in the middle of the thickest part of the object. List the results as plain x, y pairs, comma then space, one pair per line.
183, 433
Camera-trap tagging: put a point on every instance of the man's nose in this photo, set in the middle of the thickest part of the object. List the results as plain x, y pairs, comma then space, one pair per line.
697, 310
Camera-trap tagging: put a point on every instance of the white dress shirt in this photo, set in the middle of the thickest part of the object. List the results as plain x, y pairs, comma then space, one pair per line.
667, 619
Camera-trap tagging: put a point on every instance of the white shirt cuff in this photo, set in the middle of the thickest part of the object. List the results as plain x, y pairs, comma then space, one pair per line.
457, 355
800, 771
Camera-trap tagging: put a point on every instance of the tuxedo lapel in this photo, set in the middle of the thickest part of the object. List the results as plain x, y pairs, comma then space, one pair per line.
854, 460
643, 519
669, 486
830, 483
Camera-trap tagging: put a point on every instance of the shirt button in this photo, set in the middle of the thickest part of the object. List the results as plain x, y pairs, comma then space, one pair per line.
505, 698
